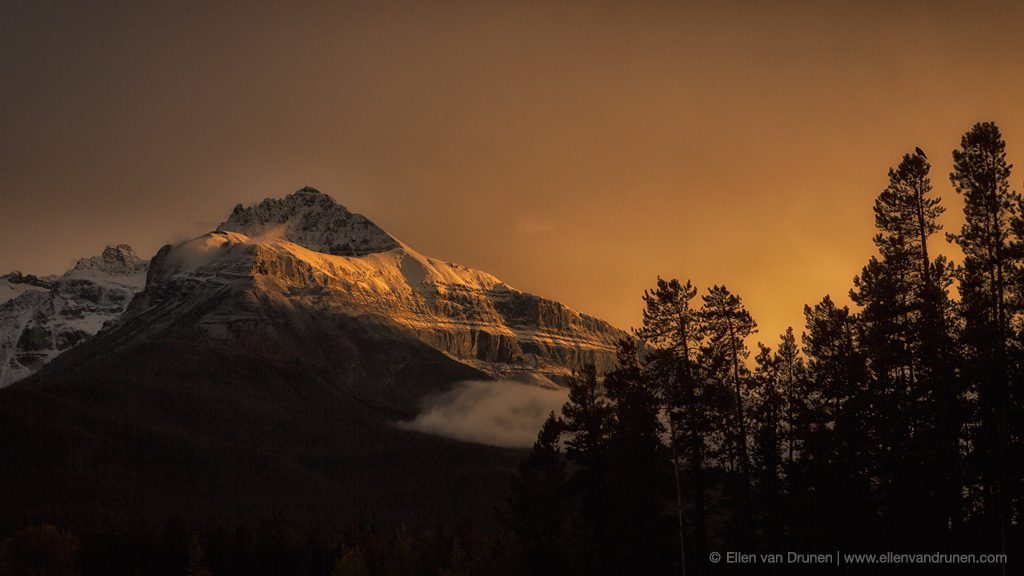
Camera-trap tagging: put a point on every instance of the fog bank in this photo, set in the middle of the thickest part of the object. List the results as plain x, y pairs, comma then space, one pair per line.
499, 412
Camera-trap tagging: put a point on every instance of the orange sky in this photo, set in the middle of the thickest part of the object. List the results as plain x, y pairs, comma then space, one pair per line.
573, 149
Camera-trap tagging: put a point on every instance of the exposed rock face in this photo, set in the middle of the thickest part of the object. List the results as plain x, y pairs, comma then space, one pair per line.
311, 219
15, 283
42, 317
469, 315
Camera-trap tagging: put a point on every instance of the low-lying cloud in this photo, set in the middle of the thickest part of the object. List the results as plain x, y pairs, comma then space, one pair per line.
499, 413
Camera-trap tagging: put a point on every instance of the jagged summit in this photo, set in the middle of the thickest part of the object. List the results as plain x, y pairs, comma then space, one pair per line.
117, 260
312, 220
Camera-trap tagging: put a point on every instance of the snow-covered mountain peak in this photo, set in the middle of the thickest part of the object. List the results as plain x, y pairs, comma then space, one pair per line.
312, 220
116, 260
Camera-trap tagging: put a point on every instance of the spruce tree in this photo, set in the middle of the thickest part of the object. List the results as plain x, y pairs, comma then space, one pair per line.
767, 415
586, 421
791, 378
637, 463
539, 510
837, 447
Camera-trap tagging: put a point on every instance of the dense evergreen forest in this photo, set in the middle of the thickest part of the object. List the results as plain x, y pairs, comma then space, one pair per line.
894, 425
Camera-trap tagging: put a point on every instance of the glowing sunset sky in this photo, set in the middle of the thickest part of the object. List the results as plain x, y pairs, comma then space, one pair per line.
575, 150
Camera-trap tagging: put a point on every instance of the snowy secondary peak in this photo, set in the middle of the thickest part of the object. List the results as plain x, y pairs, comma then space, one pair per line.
42, 317
116, 260
312, 220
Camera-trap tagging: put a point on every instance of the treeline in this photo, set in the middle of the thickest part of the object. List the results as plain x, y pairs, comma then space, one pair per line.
275, 547
895, 426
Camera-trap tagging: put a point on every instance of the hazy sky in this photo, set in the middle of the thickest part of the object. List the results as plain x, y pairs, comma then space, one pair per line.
574, 149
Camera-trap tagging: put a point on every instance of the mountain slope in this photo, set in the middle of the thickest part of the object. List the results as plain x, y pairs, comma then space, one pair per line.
230, 390
294, 423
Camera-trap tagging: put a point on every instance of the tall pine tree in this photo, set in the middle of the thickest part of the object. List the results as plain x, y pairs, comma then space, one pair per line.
903, 331
991, 259
726, 325
671, 333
